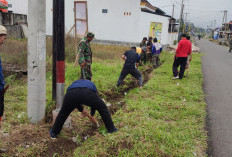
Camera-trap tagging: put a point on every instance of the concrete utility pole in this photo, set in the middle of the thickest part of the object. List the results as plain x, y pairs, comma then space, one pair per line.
172, 17
60, 51
36, 88
215, 24
185, 22
224, 18
181, 17
186, 14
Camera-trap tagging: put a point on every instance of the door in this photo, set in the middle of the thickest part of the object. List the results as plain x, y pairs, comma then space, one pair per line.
81, 18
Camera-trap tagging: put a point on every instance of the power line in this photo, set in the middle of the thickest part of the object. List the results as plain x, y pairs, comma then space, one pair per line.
204, 16
204, 10
155, 1
166, 6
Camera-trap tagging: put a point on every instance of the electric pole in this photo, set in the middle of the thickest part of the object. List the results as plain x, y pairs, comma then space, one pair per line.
215, 24
36, 83
172, 17
54, 48
186, 17
185, 23
225, 19
181, 18
59, 50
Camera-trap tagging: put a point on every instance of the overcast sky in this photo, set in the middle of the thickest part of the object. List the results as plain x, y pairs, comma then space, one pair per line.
201, 12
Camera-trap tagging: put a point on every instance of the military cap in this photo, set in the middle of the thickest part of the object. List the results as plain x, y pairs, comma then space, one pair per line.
90, 34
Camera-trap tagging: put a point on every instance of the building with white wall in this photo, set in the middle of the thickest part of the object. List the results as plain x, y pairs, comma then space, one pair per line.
111, 20
18, 6
125, 21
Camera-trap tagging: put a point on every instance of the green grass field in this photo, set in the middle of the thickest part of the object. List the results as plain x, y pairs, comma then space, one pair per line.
165, 118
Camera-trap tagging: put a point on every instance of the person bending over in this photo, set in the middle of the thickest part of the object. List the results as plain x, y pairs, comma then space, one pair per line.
79, 93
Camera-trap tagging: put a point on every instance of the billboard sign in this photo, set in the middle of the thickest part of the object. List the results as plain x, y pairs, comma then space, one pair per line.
156, 30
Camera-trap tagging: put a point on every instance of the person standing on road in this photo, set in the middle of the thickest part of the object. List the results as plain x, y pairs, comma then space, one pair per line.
85, 56
180, 58
230, 41
149, 48
3, 33
82, 92
156, 50
130, 67
143, 45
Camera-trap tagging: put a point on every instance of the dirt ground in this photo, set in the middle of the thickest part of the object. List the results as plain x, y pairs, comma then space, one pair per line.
34, 140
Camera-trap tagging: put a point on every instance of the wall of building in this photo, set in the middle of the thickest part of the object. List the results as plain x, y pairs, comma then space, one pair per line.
114, 25
15, 31
69, 16
111, 26
172, 37
16, 24
19, 6
145, 23
49, 17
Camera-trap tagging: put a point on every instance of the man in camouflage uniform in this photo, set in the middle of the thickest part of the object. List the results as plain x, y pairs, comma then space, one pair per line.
143, 45
230, 40
85, 56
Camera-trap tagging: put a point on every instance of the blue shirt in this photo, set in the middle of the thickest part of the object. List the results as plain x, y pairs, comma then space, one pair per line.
83, 84
2, 83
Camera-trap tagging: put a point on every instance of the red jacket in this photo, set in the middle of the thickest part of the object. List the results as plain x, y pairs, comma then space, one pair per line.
184, 48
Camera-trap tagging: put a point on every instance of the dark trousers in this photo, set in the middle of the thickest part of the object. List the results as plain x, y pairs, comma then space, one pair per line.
74, 98
149, 57
230, 49
144, 57
156, 60
134, 72
1, 102
179, 61
86, 73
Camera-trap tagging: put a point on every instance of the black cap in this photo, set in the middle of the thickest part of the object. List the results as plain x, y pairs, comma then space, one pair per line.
133, 48
155, 40
145, 38
183, 35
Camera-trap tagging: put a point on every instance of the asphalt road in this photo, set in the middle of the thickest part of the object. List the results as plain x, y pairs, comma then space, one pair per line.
217, 71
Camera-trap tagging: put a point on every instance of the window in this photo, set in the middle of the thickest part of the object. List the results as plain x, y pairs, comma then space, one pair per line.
105, 11
127, 13
9, 5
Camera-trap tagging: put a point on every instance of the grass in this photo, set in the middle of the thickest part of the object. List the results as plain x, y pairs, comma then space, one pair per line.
165, 118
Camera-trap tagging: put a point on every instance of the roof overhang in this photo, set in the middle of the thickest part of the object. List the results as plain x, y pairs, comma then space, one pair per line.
147, 6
